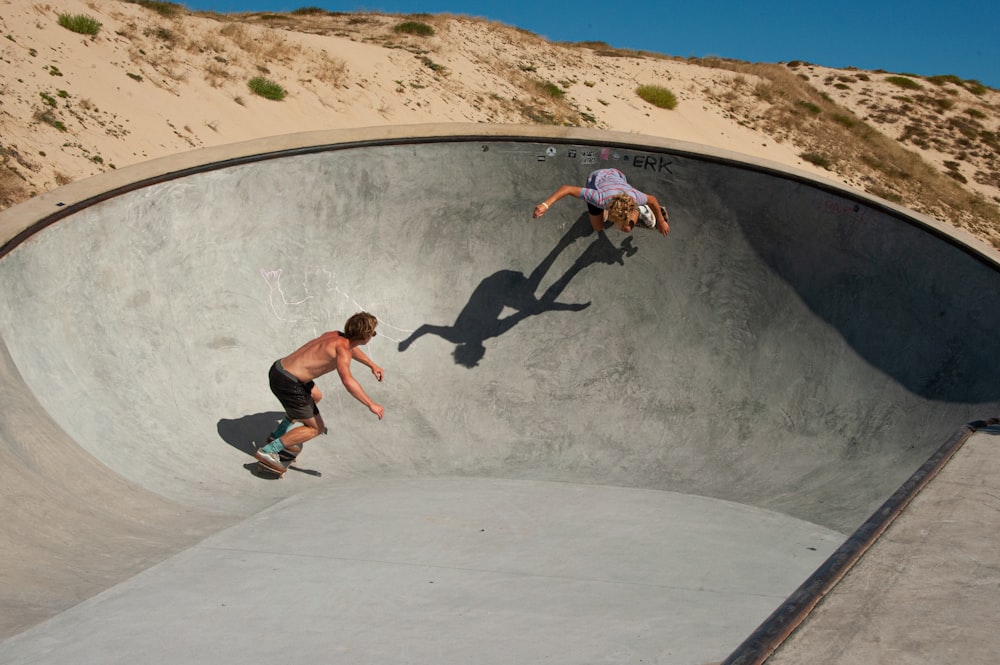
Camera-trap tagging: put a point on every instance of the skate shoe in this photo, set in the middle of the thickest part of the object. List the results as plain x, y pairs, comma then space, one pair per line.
271, 461
646, 217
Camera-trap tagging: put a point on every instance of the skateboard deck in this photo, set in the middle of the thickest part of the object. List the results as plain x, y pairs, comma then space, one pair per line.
266, 470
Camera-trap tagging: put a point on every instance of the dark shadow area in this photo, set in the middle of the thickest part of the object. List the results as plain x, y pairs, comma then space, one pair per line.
990, 426
481, 318
255, 470
248, 432
909, 303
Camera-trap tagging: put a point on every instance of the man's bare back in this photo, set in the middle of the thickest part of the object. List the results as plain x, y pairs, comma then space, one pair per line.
317, 357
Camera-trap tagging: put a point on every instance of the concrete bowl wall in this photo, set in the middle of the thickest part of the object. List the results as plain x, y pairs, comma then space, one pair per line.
792, 345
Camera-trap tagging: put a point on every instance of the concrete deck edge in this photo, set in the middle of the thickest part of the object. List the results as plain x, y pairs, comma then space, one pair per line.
770, 635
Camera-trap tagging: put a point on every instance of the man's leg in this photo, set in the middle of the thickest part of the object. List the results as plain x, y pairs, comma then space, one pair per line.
279, 431
285, 442
300, 432
287, 424
281, 452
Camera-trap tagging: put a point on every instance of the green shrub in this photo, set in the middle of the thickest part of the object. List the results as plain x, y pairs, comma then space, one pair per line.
167, 9
809, 106
972, 85
845, 120
942, 79
975, 87
904, 82
657, 96
266, 88
80, 23
433, 66
50, 119
819, 160
551, 89
415, 28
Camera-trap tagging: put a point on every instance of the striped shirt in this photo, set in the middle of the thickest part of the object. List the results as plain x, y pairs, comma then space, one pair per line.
603, 184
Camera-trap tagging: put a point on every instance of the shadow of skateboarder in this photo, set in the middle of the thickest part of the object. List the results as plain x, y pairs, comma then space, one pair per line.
481, 318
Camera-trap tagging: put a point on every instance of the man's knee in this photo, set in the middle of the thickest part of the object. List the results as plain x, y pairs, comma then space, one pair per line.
310, 430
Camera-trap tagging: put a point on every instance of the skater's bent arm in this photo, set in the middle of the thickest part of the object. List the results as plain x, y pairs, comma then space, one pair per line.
352, 385
662, 219
362, 358
562, 192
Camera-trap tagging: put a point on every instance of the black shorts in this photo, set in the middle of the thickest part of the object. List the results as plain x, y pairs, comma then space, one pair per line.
294, 395
594, 210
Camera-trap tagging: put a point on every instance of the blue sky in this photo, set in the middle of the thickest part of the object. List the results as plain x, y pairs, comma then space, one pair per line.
919, 37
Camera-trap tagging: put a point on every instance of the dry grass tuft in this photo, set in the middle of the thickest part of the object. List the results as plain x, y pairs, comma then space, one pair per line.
876, 147
13, 188
834, 138
328, 70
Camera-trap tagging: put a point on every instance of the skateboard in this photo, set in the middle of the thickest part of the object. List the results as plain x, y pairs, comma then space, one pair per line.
287, 462
287, 458
268, 472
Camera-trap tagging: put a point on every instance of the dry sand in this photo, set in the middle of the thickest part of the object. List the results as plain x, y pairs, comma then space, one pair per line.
149, 85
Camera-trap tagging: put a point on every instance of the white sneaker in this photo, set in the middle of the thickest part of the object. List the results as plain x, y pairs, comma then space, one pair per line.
646, 217
270, 460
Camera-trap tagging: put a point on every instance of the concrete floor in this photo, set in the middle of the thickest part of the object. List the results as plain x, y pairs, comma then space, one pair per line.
597, 447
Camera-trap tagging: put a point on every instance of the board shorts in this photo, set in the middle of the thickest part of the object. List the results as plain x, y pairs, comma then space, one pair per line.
293, 394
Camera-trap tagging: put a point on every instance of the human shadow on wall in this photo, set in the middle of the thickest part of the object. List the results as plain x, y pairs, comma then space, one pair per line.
480, 319
248, 432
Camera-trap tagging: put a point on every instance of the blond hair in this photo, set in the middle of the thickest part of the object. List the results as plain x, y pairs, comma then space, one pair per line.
620, 208
360, 326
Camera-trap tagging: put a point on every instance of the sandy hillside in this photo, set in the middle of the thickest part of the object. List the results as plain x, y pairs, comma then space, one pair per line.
156, 79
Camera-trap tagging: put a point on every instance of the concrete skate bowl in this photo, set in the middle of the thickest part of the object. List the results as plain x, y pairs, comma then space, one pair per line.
792, 349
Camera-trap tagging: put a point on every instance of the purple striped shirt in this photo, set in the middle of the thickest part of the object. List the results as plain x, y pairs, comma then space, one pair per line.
603, 184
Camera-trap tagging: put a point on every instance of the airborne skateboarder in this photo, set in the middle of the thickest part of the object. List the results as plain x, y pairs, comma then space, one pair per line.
608, 194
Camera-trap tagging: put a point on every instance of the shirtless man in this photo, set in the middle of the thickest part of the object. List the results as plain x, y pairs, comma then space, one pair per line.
293, 382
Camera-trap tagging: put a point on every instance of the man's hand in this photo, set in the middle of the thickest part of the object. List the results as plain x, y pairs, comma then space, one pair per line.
377, 410
377, 371
662, 218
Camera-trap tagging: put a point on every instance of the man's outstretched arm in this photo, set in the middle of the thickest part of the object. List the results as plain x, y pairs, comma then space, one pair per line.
352, 385
363, 358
